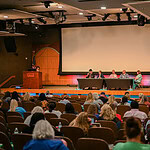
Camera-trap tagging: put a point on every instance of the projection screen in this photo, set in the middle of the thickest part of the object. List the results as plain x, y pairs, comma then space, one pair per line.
106, 48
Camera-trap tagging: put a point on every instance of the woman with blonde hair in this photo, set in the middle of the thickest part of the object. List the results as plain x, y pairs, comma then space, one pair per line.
14, 107
90, 100
108, 114
26, 96
82, 121
111, 100
43, 138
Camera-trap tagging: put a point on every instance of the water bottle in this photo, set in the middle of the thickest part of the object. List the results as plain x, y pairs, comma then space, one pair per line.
16, 131
59, 126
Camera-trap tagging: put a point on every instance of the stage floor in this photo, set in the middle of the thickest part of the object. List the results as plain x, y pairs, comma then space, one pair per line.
74, 90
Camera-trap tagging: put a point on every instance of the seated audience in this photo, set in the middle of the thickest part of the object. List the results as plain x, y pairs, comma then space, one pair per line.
48, 94
113, 75
52, 106
65, 100
7, 97
124, 75
138, 79
92, 110
69, 109
36, 109
133, 132
145, 100
14, 108
96, 97
43, 138
111, 100
43, 99
125, 101
90, 74
103, 95
82, 121
15, 96
108, 114
140, 96
34, 119
3, 109
134, 112
90, 100
100, 75
26, 96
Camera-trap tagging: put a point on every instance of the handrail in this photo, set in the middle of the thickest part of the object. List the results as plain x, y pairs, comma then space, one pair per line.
7, 80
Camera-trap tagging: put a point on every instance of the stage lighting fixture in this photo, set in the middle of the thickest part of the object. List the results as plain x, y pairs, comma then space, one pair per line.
118, 17
129, 16
124, 9
30, 21
90, 17
105, 17
141, 20
42, 20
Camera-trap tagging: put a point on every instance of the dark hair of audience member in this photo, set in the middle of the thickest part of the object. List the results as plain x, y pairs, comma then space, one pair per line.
42, 97
102, 93
124, 99
7, 94
15, 96
51, 106
69, 108
126, 93
132, 127
104, 100
134, 105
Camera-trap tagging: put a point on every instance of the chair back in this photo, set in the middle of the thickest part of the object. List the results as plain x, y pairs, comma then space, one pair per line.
121, 134
86, 107
60, 107
144, 109
69, 142
5, 141
77, 107
121, 109
55, 121
14, 119
104, 133
2, 114
2, 120
28, 106
5, 105
19, 126
69, 117
92, 116
74, 133
119, 141
49, 116
92, 143
13, 113
3, 128
19, 140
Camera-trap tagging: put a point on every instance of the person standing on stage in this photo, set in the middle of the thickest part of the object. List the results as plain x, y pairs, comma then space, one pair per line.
138, 79
124, 75
90, 74
113, 75
100, 75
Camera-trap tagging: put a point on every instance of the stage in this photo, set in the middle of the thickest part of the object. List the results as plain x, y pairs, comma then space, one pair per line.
73, 90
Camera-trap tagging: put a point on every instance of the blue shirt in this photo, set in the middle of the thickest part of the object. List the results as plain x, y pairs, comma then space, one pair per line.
20, 110
45, 144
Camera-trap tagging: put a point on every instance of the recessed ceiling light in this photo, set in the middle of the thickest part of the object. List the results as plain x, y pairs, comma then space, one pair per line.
135, 16
5, 16
60, 6
80, 13
103, 7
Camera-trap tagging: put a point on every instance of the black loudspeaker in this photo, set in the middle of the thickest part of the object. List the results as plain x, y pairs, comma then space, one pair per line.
10, 44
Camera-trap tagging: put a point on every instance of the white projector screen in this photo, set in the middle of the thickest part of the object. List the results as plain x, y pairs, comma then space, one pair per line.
106, 48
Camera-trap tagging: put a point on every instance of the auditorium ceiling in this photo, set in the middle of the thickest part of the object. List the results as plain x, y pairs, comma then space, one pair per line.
73, 11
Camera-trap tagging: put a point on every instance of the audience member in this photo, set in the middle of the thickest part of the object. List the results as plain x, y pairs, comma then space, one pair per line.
43, 99
127, 94
3, 109
133, 132
113, 75
134, 112
90, 74
140, 96
43, 138
100, 75
15, 96
124, 75
125, 101
65, 100
96, 98
14, 107
69, 109
7, 97
92, 110
103, 95
36, 109
52, 106
48, 94
26, 96
144, 100
90, 100
108, 114
82, 121
111, 100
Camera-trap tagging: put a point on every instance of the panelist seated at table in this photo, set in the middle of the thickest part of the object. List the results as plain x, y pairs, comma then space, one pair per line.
113, 75
90, 74
100, 75
124, 75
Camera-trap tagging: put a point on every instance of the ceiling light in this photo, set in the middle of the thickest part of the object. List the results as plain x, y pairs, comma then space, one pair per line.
31, 21
47, 3
135, 16
81, 13
103, 7
60, 6
90, 17
105, 17
5, 17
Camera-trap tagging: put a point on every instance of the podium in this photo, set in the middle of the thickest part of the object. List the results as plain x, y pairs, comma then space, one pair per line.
32, 80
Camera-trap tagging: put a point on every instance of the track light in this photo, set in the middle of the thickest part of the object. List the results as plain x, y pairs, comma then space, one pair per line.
21, 21
42, 20
47, 4
90, 17
141, 20
31, 21
124, 9
118, 17
105, 17
129, 16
